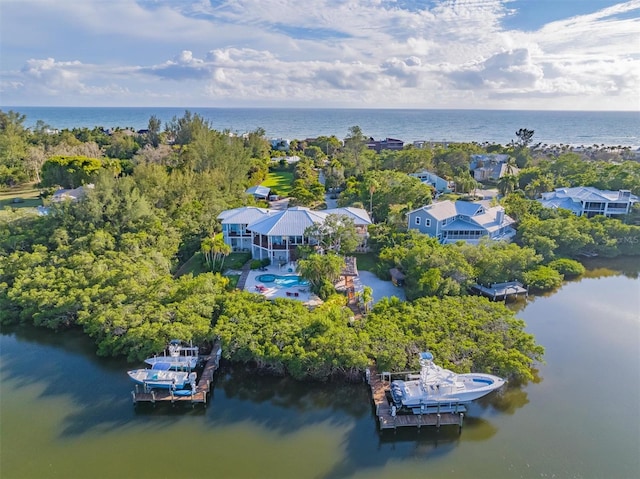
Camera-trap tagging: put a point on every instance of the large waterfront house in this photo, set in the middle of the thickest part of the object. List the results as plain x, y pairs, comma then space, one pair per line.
437, 183
276, 234
588, 201
452, 221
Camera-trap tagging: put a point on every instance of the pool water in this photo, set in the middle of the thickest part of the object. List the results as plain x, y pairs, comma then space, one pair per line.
283, 281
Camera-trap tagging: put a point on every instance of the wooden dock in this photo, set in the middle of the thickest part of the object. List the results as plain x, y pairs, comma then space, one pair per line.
197, 396
387, 417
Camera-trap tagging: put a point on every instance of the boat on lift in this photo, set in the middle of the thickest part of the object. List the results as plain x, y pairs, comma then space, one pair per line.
179, 355
440, 389
160, 376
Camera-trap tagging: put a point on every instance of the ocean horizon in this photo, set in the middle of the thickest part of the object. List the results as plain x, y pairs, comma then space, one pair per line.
575, 128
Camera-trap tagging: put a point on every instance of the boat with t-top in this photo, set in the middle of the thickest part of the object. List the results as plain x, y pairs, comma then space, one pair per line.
179, 355
439, 388
160, 376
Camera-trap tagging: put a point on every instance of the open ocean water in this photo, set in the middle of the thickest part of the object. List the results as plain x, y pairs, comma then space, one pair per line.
574, 128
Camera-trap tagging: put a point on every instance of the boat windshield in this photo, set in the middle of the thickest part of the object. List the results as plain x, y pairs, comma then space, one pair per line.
161, 366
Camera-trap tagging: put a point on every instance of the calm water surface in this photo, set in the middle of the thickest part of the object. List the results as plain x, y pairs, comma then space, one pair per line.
67, 414
499, 126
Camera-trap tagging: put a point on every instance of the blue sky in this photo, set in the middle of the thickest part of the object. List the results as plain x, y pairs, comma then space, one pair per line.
495, 54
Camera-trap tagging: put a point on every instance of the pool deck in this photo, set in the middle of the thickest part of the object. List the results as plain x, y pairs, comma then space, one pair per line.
273, 291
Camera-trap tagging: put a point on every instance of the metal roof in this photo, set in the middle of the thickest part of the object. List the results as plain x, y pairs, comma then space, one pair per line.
244, 215
289, 222
359, 216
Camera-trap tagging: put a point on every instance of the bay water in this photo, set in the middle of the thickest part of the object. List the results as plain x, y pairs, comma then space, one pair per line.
66, 413
574, 128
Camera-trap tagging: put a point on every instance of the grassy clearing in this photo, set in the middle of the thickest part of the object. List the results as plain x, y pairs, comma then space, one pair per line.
194, 265
279, 181
22, 196
197, 265
366, 261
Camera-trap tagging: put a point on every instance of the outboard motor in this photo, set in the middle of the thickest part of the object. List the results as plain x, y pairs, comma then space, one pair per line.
397, 392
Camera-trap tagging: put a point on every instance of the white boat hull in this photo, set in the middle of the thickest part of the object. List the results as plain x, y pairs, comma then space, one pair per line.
435, 386
179, 356
159, 379
181, 363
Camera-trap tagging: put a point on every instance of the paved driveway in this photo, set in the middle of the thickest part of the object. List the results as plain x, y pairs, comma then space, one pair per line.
381, 289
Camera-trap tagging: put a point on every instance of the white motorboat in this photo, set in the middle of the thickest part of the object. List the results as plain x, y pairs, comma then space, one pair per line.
160, 376
179, 356
439, 388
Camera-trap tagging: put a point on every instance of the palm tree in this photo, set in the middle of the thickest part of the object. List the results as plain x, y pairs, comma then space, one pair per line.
206, 247
507, 184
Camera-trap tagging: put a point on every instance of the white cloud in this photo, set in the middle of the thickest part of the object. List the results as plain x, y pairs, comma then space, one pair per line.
329, 53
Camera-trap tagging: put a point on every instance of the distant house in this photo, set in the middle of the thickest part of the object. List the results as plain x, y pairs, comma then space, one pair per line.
280, 144
259, 192
491, 167
589, 201
71, 194
276, 234
386, 144
451, 221
439, 184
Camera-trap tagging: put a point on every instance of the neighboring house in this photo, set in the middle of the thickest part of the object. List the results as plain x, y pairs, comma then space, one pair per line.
259, 192
386, 144
276, 234
462, 221
491, 167
439, 184
70, 194
589, 201
476, 161
280, 144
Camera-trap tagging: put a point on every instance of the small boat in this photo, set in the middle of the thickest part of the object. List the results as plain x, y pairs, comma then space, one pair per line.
160, 376
180, 356
438, 388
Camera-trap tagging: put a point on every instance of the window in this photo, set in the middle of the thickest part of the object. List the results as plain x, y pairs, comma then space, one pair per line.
417, 222
427, 222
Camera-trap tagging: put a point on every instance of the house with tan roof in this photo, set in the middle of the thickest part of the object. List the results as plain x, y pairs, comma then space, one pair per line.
452, 221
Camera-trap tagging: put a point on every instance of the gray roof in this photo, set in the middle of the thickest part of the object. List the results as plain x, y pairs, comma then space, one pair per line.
359, 216
289, 222
586, 193
259, 190
244, 215
447, 209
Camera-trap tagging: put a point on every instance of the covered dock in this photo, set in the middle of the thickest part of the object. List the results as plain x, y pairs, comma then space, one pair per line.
386, 414
501, 291
199, 395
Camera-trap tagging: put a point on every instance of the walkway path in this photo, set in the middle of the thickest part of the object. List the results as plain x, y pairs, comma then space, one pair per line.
246, 269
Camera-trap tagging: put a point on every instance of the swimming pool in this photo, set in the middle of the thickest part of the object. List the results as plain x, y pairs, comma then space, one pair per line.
283, 281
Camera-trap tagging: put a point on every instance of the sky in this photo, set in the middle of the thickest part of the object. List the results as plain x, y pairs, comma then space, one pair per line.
460, 54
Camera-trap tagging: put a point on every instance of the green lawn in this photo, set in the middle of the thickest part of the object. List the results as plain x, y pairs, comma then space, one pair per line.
196, 264
366, 261
279, 181
22, 196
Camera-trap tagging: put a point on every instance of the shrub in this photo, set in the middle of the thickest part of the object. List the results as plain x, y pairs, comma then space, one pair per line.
256, 263
326, 289
543, 278
568, 267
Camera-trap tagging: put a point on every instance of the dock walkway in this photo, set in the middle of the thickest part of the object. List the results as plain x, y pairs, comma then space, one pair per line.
197, 396
388, 419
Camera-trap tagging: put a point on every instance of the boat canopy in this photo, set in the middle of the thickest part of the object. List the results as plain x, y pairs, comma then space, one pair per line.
161, 366
426, 356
